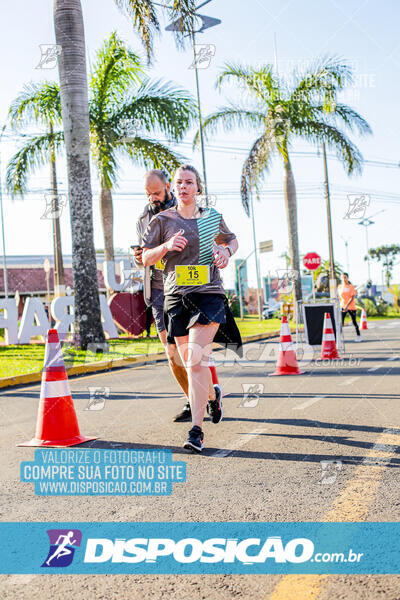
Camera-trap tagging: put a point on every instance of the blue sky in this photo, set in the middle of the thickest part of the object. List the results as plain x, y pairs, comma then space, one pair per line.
365, 33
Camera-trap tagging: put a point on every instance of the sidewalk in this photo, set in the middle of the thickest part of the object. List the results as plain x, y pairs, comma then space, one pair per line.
106, 365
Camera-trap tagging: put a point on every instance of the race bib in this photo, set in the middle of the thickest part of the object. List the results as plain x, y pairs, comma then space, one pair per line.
192, 274
160, 265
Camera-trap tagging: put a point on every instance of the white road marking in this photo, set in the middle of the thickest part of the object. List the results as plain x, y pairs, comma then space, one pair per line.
309, 402
242, 441
349, 381
375, 368
393, 358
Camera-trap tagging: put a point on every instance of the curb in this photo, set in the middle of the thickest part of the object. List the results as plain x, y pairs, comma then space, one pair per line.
118, 363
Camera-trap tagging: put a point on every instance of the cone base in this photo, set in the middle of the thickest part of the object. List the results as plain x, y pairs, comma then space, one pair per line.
79, 439
364, 328
330, 357
285, 373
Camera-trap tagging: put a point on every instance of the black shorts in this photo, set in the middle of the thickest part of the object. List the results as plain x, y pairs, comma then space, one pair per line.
182, 312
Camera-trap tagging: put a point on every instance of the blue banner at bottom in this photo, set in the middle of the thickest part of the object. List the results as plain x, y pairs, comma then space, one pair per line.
196, 548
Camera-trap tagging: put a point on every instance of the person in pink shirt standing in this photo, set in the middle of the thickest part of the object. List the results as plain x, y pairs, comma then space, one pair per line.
347, 294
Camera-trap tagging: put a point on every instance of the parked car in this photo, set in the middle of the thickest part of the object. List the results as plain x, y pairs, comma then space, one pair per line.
270, 308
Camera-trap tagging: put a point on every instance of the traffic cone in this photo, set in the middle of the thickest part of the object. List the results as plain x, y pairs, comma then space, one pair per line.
214, 375
56, 425
328, 349
364, 319
287, 361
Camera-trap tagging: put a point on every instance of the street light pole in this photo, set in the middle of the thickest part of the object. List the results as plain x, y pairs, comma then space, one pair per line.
203, 156
332, 278
206, 23
366, 223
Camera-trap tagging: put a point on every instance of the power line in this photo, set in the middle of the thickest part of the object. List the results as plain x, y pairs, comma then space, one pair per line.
232, 149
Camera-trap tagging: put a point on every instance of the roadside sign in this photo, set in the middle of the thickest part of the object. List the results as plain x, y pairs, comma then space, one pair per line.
266, 246
46, 265
312, 261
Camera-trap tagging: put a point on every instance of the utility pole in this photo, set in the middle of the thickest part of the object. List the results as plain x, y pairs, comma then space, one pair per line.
256, 258
5, 276
59, 282
332, 278
346, 243
240, 283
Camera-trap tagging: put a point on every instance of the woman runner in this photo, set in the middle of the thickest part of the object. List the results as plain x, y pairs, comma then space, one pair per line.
194, 243
347, 293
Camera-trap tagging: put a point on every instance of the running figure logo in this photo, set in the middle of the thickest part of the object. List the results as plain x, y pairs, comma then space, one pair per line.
62, 542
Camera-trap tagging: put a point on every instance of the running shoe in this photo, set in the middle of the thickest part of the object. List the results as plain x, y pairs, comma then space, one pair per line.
358, 339
214, 407
195, 439
184, 415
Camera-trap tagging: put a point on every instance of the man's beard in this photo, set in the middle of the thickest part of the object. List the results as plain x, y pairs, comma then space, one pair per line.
156, 208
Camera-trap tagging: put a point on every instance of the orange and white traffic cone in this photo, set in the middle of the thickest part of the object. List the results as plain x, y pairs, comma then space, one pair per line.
56, 425
287, 361
214, 375
364, 319
328, 350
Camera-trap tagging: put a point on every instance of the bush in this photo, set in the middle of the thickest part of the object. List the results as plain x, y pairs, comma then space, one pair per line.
370, 307
233, 302
382, 307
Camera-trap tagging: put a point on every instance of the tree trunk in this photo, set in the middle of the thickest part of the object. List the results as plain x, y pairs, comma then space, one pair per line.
107, 219
68, 24
291, 215
59, 281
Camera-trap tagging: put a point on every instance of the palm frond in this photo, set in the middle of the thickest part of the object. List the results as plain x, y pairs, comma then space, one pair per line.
104, 154
156, 107
34, 154
115, 69
323, 80
38, 102
229, 117
259, 82
351, 118
255, 167
336, 140
182, 11
145, 20
151, 154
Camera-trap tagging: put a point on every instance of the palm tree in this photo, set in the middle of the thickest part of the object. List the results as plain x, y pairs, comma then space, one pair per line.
123, 100
68, 23
278, 112
70, 37
39, 104
123, 104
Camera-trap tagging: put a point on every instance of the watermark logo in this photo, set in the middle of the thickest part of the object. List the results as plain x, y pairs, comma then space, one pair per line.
286, 278
204, 54
206, 202
49, 56
358, 204
330, 470
97, 397
129, 128
54, 206
63, 543
251, 394
127, 279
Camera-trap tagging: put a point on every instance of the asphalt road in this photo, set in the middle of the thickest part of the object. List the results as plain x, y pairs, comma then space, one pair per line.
266, 461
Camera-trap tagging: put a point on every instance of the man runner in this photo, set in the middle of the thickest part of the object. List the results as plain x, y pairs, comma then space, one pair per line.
160, 197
